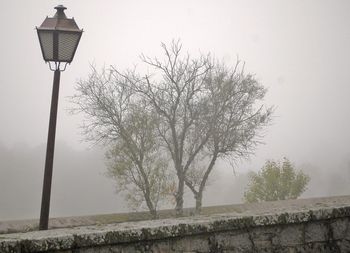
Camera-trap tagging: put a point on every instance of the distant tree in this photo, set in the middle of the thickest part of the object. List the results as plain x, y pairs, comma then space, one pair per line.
276, 181
234, 118
176, 90
126, 125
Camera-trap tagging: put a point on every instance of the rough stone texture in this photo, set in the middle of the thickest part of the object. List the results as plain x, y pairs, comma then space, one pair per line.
301, 228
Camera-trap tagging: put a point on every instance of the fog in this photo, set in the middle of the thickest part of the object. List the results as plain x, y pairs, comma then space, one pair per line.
298, 49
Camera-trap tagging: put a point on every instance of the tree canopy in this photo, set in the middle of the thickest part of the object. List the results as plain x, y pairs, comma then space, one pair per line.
276, 181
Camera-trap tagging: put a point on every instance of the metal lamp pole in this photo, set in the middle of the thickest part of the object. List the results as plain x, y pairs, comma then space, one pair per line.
59, 37
45, 200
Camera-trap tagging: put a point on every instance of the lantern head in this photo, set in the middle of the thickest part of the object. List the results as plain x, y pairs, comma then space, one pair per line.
59, 37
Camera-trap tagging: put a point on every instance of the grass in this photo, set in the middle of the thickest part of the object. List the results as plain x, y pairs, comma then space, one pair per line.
162, 214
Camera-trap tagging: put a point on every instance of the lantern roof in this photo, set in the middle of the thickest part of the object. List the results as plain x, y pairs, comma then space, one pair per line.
59, 21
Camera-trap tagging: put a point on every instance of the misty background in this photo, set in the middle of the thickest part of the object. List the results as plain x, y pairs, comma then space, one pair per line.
299, 50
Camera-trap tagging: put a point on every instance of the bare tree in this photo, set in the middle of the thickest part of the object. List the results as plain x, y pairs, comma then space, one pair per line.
117, 117
235, 121
176, 92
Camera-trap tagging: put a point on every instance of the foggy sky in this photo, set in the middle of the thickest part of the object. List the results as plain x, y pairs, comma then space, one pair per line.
299, 49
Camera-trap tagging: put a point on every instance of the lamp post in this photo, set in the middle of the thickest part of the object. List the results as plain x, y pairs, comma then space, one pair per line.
59, 37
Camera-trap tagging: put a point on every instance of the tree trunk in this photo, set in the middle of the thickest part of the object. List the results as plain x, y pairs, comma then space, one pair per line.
198, 198
180, 197
154, 214
150, 205
199, 195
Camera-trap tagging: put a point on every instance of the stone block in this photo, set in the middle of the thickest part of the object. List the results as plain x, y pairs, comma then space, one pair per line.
264, 236
344, 245
239, 241
321, 247
339, 228
190, 244
290, 235
316, 232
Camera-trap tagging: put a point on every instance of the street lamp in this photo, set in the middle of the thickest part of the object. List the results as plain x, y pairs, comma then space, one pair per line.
59, 37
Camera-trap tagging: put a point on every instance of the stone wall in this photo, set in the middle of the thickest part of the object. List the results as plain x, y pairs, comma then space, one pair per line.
324, 227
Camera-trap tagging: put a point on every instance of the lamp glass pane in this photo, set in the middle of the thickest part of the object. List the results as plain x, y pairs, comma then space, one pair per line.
67, 43
46, 40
